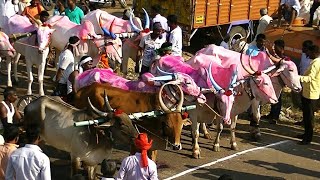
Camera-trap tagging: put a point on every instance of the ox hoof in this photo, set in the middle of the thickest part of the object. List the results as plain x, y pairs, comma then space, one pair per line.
216, 148
196, 155
207, 136
234, 147
256, 137
15, 82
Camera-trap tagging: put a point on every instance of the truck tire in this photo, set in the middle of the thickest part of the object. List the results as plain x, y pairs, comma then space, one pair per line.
236, 33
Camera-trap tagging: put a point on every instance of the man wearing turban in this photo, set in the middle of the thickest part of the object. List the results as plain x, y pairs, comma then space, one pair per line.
139, 166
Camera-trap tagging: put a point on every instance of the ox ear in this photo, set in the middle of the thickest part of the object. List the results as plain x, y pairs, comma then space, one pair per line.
186, 122
107, 124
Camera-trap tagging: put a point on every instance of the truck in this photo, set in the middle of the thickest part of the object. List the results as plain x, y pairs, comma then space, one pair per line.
233, 17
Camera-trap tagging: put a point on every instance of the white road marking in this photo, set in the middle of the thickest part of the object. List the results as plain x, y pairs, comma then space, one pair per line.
224, 159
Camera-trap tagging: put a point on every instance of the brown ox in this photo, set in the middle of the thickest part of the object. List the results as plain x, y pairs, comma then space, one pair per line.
132, 102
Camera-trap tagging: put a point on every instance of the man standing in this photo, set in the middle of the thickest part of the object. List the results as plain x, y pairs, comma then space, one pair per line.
66, 67
289, 9
74, 13
148, 45
139, 166
29, 162
305, 60
314, 7
8, 111
264, 21
33, 11
175, 36
253, 50
310, 93
11, 137
156, 17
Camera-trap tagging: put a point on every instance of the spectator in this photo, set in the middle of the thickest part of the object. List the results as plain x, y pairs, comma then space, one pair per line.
22, 4
314, 7
310, 93
274, 114
305, 60
6, 11
44, 16
84, 7
84, 65
225, 42
33, 11
66, 67
175, 36
264, 21
8, 111
148, 45
156, 17
139, 166
108, 169
11, 136
74, 13
59, 9
29, 162
289, 9
254, 49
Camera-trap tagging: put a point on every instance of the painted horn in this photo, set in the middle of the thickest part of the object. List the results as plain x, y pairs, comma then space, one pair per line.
112, 35
162, 72
233, 78
213, 82
244, 67
269, 69
107, 103
163, 106
147, 26
97, 111
134, 27
179, 107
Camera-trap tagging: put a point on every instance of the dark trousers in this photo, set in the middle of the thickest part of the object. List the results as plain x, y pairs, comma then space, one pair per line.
276, 109
313, 9
308, 109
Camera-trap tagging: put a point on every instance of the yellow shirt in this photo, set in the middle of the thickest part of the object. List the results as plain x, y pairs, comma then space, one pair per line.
5, 152
311, 80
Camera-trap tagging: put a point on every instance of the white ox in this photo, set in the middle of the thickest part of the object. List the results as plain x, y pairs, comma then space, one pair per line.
287, 71
89, 145
131, 30
91, 44
260, 86
35, 49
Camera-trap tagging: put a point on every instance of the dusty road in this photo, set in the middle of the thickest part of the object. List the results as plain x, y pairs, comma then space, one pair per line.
276, 156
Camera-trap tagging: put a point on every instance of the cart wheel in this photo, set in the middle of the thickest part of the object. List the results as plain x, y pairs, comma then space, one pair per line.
48, 5
24, 101
235, 33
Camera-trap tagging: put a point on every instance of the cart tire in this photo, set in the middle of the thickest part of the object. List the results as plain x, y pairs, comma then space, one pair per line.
237, 30
48, 5
123, 3
24, 101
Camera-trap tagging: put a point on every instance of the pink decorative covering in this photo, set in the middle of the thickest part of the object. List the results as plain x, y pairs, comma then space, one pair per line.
6, 48
20, 24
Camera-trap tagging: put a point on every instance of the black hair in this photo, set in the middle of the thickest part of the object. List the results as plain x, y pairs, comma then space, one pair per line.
279, 43
314, 49
44, 14
261, 37
156, 8
108, 168
307, 43
10, 132
33, 132
84, 57
73, 39
172, 19
9, 91
225, 177
78, 177
166, 44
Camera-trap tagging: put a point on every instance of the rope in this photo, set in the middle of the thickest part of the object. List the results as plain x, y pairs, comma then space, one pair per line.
213, 110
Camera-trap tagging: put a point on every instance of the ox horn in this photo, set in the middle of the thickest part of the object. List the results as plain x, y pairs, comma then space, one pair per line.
106, 102
244, 67
164, 72
233, 78
134, 27
273, 59
269, 69
213, 82
97, 111
163, 106
147, 25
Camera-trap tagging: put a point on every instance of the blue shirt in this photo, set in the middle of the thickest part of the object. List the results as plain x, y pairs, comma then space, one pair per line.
252, 50
75, 15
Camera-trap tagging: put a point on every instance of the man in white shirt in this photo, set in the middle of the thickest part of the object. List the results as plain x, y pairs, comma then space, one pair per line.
264, 21
289, 9
148, 45
29, 162
156, 17
7, 9
305, 60
139, 166
66, 67
175, 36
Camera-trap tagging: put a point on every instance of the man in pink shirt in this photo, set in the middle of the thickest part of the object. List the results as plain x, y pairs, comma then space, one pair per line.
11, 137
